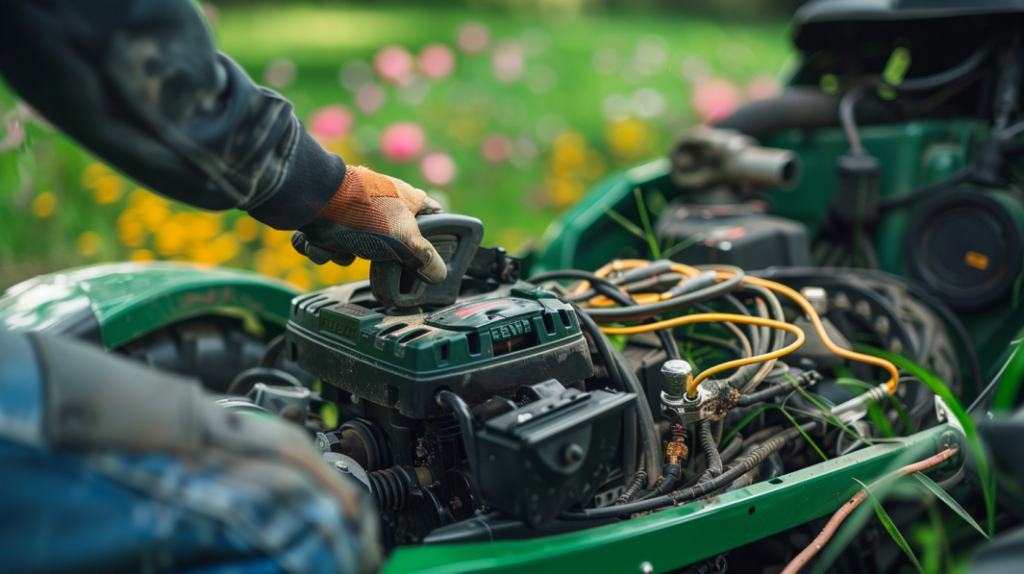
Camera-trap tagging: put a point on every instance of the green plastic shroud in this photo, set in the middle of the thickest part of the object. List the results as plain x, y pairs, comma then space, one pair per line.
117, 303
473, 347
911, 154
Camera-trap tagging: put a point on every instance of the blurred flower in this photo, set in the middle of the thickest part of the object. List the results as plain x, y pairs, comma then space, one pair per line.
141, 255
507, 61
523, 152
535, 41
651, 54
88, 244
393, 64
333, 121
130, 231
648, 103
44, 204
108, 189
715, 99
414, 90
15, 132
93, 172
630, 139
617, 107
369, 98
695, 69
246, 229
762, 86
473, 38
280, 73
300, 277
276, 237
541, 79
495, 148
437, 61
402, 141
606, 61
355, 74
438, 168
466, 130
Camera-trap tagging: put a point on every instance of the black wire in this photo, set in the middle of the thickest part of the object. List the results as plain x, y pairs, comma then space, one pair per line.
613, 292
614, 360
711, 456
741, 467
461, 412
915, 289
951, 75
638, 312
929, 190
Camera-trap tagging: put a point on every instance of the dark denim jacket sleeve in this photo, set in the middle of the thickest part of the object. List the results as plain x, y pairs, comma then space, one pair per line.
139, 84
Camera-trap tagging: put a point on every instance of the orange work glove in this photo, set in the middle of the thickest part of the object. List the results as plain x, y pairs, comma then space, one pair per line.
373, 216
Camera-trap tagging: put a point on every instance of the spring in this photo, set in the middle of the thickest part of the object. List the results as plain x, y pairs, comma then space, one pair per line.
389, 488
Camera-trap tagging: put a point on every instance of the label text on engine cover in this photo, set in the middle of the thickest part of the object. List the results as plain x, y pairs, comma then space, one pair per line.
511, 330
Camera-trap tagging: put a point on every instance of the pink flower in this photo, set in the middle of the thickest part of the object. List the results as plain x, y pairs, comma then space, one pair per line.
762, 86
402, 141
437, 61
473, 38
438, 168
331, 122
508, 61
715, 99
496, 148
393, 64
369, 98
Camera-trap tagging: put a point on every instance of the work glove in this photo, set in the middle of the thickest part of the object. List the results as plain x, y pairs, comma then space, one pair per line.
373, 216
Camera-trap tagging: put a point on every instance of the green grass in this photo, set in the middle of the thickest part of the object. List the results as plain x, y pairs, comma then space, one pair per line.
515, 202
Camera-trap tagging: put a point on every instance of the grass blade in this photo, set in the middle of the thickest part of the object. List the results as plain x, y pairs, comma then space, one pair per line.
671, 250
952, 504
625, 222
891, 527
648, 230
939, 388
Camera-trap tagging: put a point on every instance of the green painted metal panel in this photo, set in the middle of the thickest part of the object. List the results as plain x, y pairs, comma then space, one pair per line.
689, 533
132, 299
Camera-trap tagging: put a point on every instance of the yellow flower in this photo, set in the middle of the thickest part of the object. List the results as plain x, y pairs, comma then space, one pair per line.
137, 196
199, 227
275, 237
44, 204
153, 212
107, 189
630, 138
332, 274
130, 230
89, 244
171, 238
300, 277
217, 251
93, 172
289, 257
266, 263
247, 229
142, 255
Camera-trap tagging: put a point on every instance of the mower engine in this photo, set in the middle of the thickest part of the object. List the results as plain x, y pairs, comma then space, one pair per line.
458, 397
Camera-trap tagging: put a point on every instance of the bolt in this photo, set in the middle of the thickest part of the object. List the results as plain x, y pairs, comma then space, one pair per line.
882, 324
341, 465
573, 453
841, 301
676, 376
817, 297
863, 308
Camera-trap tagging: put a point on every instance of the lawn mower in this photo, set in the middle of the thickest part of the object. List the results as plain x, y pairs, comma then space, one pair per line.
709, 362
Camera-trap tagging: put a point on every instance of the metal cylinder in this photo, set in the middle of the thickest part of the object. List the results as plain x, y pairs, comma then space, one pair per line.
676, 375
766, 167
817, 297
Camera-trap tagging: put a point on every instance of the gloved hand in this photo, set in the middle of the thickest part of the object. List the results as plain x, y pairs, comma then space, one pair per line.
373, 216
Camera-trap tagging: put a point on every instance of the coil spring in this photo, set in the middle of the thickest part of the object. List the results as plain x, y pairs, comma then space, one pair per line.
389, 488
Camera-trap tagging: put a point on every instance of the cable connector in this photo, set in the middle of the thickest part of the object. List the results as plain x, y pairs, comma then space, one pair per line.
857, 408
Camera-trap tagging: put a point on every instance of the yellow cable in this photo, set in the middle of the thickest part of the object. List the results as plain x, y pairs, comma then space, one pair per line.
796, 297
691, 388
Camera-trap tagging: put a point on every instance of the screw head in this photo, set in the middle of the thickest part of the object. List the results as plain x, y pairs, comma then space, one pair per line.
573, 453
341, 465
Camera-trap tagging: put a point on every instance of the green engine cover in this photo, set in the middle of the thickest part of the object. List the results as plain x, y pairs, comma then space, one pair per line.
479, 348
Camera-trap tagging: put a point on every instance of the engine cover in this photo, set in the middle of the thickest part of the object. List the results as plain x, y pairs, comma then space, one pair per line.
477, 348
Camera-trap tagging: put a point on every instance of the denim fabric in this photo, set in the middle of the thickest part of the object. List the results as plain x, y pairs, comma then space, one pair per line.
223, 506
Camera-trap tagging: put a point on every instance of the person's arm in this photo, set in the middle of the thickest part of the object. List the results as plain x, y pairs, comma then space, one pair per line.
139, 84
